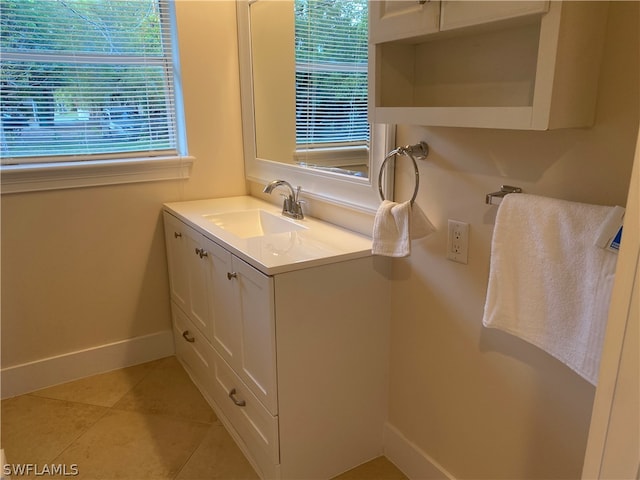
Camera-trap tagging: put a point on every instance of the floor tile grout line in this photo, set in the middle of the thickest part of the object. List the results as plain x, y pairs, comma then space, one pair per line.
83, 433
40, 395
184, 464
53, 399
163, 415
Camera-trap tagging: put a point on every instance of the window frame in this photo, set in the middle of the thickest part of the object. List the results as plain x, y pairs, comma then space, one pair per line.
112, 168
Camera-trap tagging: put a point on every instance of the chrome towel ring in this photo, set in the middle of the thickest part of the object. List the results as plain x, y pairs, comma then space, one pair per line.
419, 151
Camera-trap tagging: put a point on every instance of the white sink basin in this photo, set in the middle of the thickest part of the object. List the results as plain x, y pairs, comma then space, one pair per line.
253, 223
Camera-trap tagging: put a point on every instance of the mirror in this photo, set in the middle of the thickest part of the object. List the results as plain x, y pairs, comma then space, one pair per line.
268, 89
310, 99
274, 89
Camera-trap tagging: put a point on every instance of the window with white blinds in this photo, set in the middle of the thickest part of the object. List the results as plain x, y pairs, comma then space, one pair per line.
86, 80
331, 73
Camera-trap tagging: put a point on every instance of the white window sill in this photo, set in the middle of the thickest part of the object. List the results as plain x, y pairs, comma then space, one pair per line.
54, 176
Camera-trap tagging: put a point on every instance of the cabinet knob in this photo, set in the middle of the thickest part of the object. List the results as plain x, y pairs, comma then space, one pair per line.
177, 235
202, 252
187, 336
231, 275
232, 396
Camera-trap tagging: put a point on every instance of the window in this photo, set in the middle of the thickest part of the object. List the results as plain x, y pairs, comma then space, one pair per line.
331, 75
86, 81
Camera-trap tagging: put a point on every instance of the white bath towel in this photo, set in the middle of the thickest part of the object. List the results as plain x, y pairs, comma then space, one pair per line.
549, 284
395, 225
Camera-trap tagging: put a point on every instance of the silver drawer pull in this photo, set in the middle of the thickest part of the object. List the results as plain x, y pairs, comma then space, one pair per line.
187, 336
231, 275
232, 396
202, 252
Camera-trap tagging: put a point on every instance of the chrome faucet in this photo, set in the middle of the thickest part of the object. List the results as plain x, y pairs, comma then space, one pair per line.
292, 206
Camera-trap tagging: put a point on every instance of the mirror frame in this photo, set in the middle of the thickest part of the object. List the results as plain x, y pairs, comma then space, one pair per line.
360, 194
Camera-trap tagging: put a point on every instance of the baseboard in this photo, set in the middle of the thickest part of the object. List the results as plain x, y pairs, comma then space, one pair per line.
413, 462
47, 372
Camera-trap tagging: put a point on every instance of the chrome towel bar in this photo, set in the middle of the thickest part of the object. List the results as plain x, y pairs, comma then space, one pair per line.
419, 151
495, 198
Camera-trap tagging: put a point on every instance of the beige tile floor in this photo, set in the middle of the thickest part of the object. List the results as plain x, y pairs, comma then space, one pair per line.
143, 422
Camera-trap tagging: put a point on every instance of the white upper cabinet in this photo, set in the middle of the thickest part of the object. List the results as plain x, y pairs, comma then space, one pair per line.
458, 14
397, 19
531, 65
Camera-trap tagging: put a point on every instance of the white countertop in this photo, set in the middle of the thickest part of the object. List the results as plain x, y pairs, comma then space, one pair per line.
319, 243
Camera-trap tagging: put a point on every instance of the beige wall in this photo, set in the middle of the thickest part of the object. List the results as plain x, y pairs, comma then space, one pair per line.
86, 267
480, 402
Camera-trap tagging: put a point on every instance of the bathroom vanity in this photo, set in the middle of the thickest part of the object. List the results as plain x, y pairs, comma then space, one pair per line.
283, 326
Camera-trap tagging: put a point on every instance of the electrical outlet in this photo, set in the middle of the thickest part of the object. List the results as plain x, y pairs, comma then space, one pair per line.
458, 242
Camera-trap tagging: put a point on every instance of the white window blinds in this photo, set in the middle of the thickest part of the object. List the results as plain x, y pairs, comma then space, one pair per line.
86, 79
331, 73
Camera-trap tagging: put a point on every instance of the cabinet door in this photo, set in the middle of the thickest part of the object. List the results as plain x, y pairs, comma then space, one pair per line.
396, 19
457, 14
242, 317
197, 261
257, 359
176, 243
189, 259
225, 299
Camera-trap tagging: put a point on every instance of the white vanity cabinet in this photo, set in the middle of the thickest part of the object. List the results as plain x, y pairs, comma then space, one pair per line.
531, 65
295, 362
186, 256
230, 303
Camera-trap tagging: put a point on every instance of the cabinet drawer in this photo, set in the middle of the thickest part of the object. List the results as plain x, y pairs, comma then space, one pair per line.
255, 425
192, 349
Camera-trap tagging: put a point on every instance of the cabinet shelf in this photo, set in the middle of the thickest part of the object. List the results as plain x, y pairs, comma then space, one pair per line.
532, 72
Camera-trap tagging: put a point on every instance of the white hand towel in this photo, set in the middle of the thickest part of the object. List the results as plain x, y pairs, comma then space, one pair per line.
391, 229
395, 225
548, 283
